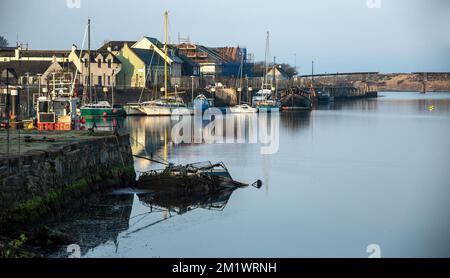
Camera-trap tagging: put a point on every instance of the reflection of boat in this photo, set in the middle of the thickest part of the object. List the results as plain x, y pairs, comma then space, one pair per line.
182, 200
243, 108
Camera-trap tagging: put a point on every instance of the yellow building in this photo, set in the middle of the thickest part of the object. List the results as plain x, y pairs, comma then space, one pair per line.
143, 63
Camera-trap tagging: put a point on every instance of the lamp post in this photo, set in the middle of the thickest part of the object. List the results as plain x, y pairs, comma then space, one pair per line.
7, 103
39, 83
28, 94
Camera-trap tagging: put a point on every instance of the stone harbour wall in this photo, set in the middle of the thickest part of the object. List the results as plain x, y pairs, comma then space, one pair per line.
39, 182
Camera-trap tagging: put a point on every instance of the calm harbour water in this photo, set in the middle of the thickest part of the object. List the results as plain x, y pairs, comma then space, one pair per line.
371, 171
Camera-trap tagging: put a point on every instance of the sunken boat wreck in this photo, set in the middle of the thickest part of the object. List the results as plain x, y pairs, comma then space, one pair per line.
201, 176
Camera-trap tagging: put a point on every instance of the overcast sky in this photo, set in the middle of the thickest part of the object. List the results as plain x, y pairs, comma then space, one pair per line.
339, 35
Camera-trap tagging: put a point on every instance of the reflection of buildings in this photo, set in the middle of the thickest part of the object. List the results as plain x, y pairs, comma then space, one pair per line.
152, 136
148, 136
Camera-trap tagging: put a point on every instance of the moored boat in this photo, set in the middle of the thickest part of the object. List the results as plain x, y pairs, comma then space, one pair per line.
243, 109
295, 98
101, 109
324, 97
165, 107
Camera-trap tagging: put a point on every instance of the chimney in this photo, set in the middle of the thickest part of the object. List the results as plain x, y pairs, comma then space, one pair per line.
74, 47
109, 49
17, 52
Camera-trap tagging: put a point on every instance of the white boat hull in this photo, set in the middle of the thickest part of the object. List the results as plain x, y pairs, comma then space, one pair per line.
236, 110
243, 109
166, 111
134, 110
156, 110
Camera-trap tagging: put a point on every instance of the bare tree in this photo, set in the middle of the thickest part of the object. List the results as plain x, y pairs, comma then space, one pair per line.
3, 41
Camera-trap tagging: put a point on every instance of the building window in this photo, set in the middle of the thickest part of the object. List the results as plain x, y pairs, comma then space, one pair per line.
86, 64
109, 80
99, 63
99, 80
109, 63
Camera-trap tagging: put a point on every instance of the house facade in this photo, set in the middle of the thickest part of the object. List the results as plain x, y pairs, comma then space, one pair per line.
104, 67
143, 63
280, 74
33, 67
19, 54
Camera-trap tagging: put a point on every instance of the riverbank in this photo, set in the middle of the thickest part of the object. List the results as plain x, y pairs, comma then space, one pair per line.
386, 82
58, 171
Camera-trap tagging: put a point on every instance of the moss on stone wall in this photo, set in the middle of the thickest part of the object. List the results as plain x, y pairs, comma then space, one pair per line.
32, 210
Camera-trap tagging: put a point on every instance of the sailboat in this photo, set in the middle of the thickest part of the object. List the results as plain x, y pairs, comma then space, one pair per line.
264, 100
170, 104
242, 108
95, 109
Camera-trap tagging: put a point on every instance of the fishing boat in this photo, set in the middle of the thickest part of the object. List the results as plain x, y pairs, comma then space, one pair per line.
56, 109
324, 97
263, 100
101, 109
296, 98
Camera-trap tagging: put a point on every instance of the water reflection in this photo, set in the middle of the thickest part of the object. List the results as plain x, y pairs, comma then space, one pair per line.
179, 202
113, 217
101, 221
354, 173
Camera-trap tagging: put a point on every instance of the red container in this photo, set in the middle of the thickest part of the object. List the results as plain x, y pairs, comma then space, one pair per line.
46, 126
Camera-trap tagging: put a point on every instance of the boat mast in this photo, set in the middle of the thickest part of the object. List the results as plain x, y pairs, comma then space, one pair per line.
265, 59
240, 78
89, 60
166, 15
274, 82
